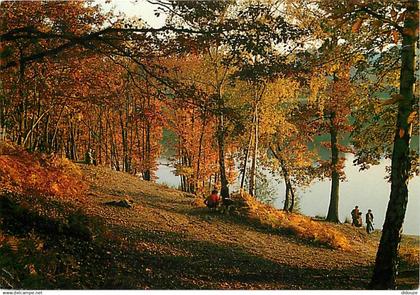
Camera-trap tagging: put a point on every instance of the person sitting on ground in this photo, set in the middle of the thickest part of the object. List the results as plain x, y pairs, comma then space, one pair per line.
213, 200
227, 205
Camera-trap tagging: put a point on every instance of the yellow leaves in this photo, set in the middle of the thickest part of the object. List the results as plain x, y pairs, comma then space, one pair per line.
198, 202
184, 170
283, 89
358, 57
411, 117
356, 26
300, 225
317, 85
334, 67
410, 255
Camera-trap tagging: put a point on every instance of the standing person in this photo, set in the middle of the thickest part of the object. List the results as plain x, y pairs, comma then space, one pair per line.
359, 220
355, 214
369, 222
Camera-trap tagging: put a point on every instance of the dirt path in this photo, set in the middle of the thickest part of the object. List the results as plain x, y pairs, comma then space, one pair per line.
177, 245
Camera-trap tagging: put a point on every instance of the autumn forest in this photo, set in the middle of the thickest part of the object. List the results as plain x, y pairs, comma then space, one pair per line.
229, 92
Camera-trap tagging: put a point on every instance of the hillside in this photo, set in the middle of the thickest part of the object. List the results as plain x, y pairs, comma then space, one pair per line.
168, 241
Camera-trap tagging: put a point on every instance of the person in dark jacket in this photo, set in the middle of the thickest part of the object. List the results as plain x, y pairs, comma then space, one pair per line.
356, 217
369, 222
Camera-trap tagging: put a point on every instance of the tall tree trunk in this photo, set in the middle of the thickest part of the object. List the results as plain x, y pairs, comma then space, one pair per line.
147, 172
247, 150
131, 148
246, 159
124, 142
46, 140
139, 142
21, 107
127, 158
38, 138
385, 271
286, 197
200, 147
224, 192
107, 139
191, 178
4, 102
72, 142
253, 171
292, 197
289, 200
335, 178
34, 124
101, 134
56, 127
114, 150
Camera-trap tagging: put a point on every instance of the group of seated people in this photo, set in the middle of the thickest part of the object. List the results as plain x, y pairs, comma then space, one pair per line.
213, 201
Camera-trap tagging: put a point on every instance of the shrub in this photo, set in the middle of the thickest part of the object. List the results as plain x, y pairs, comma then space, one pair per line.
198, 202
39, 174
409, 255
296, 224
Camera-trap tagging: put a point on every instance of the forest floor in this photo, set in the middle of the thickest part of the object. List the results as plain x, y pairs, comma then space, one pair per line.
166, 241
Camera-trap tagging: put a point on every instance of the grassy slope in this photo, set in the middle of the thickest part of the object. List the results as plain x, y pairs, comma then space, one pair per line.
166, 242
214, 251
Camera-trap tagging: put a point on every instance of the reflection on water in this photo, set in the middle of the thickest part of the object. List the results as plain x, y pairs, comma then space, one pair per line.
367, 189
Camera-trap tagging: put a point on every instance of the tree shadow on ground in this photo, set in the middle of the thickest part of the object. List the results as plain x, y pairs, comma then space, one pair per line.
206, 215
209, 265
122, 257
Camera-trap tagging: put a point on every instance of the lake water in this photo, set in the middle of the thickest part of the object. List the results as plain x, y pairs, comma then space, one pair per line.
367, 189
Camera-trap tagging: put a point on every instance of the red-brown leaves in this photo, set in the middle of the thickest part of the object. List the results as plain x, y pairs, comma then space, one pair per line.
356, 26
39, 174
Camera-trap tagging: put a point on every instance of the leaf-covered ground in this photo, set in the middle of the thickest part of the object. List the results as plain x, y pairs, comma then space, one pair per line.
167, 242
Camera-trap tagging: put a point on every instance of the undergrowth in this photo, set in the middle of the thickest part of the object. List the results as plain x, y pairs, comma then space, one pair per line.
32, 238
409, 256
34, 219
39, 174
296, 224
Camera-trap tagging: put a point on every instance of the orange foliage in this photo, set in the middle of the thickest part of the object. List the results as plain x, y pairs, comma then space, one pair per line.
198, 202
409, 255
38, 174
196, 148
299, 225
